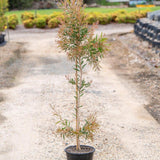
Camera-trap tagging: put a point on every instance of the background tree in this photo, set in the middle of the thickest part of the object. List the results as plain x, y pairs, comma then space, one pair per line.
3, 6
89, 1
20, 4
3, 9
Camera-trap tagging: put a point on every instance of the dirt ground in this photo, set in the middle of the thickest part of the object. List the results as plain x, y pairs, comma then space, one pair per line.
124, 95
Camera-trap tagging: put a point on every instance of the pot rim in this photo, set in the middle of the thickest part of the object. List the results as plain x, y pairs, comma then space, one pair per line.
79, 153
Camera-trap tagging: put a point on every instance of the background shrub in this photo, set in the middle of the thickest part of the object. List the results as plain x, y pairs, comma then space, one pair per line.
12, 21
53, 23
29, 23
40, 22
26, 16
121, 18
125, 17
104, 18
55, 18
57, 15
46, 17
91, 18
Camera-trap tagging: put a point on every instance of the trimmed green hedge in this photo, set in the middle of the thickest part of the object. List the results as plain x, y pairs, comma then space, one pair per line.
54, 20
122, 16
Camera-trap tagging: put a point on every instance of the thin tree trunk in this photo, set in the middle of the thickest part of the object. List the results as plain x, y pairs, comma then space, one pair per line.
77, 109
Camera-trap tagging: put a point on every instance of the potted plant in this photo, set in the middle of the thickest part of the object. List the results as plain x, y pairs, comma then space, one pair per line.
2, 28
3, 19
77, 39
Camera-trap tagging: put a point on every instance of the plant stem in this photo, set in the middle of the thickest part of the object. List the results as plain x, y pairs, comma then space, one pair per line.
77, 108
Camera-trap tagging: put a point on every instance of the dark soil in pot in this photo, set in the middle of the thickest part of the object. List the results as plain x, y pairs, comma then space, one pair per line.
86, 153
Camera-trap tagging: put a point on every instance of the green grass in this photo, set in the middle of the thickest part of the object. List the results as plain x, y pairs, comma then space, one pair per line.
110, 10
40, 11
101, 10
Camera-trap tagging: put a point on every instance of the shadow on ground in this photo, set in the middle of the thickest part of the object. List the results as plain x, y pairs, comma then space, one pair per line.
10, 67
10, 64
128, 62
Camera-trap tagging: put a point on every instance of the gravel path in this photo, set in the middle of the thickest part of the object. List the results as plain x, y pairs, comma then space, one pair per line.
127, 130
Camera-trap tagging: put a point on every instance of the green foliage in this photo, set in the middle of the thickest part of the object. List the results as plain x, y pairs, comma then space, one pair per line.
104, 18
12, 21
65, 130
3, 20
3, 6
29, 23
89, 128
26, 16
121, 16
124, 17
3, 23
56, 15
91, 18
40, 22
46, 17
53, 20
53, 23
109, 11
87, 131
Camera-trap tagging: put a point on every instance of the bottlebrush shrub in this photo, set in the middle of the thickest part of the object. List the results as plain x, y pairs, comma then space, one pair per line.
40, 22
12, 21
53, 23
82, 47
29, 23
26, 16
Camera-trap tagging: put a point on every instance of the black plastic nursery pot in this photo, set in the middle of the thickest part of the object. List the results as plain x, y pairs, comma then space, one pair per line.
86, 153
2, 39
